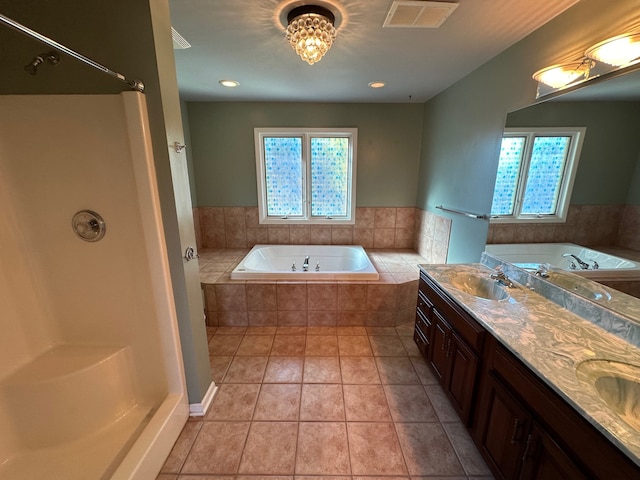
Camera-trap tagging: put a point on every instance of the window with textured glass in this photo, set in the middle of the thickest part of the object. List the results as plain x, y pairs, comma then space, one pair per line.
536, 169
306, 175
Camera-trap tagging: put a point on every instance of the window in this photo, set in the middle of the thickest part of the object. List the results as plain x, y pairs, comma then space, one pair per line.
306, 175
535, 176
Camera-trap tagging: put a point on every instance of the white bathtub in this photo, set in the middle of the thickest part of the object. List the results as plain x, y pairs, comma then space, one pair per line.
531, 255
326, 262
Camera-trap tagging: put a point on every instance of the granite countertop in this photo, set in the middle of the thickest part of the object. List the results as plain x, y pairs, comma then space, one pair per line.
552, 341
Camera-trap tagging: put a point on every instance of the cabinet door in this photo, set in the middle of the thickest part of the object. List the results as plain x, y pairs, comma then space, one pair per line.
463, 367
504, 431
543, 459
441, 346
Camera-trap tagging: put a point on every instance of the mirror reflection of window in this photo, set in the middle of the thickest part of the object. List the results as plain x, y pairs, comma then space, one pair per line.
536, 170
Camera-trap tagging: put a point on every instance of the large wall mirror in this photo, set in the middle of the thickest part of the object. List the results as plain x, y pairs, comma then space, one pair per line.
604, 211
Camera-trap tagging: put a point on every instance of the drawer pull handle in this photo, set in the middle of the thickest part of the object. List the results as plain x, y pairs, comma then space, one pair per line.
527, 447
448, 346
514, 435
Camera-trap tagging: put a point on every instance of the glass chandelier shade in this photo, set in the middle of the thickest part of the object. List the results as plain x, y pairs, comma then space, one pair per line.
311, 32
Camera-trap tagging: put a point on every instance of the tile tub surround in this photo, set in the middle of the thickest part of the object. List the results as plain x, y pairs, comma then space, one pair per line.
588, 225
375, 227
367, 406
388, 301
552, 341
629, 230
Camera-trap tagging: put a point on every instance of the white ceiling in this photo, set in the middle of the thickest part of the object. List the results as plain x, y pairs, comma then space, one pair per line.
243, 40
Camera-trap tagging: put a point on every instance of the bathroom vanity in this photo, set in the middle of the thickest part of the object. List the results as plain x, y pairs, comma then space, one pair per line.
528, 378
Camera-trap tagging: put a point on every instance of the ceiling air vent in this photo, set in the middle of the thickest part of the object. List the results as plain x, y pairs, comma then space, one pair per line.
415, 14
179, 43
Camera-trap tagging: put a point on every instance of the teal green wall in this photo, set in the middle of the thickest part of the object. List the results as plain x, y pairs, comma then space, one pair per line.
188, 151
463, 124
224, 162
610, 149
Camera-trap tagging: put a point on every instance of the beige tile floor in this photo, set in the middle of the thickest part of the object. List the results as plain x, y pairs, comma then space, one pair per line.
309, 402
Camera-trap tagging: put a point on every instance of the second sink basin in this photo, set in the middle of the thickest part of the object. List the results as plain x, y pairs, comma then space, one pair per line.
617, 384
478, 286
580, 286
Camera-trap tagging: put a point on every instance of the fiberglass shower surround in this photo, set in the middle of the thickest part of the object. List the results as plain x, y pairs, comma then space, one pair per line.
91, 380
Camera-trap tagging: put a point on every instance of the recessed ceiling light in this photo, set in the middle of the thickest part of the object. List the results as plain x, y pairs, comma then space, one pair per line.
377, 84
229, 83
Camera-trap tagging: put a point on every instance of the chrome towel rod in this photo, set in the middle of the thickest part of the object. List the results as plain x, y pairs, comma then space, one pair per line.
466, 214
134, 84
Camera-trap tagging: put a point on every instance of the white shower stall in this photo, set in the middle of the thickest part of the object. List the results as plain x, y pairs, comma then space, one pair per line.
91, 378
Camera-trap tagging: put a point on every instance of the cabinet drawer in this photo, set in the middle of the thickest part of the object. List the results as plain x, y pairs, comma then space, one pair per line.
424, 305
468, 328
421, 341
424, 324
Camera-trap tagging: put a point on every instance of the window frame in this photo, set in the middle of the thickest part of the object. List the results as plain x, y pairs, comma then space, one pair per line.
306, 134
577, 135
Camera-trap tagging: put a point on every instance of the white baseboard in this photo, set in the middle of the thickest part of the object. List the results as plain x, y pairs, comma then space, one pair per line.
200, 409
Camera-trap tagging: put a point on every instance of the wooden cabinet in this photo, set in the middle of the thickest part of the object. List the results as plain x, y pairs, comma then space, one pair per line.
515, 446
461, 379
422, 333
504, 427
523, 429
439, 354
451, 342
544, 459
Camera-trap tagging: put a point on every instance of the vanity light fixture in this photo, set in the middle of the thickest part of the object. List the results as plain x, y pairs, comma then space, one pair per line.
619, 51
229, 83
311, 31
377, 84
559, 76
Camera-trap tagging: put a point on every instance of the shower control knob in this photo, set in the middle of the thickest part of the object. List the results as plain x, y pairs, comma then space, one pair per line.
190, 254
88, 225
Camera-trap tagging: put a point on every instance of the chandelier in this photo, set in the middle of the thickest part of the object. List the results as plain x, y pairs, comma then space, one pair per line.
310, 32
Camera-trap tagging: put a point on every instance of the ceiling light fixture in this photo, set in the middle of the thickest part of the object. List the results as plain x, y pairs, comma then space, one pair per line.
618, 51
229, 83
311, 32
559, 76
377, 84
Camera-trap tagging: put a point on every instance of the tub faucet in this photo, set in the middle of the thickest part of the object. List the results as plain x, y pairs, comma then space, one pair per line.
305, 265
583, 265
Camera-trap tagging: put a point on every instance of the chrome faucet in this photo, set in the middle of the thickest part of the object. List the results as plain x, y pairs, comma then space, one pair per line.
542, 271
305, 265
501, 278
583, 265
